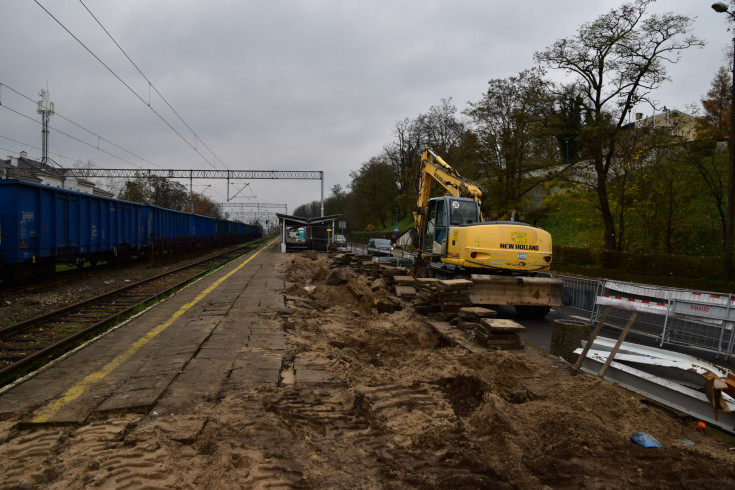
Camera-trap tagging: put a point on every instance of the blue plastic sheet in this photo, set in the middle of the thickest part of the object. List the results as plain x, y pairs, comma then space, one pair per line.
645, 440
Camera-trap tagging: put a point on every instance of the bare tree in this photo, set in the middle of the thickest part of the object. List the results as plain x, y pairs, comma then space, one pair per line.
618, 60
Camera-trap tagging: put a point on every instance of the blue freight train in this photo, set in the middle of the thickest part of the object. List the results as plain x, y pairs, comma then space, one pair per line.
41, 226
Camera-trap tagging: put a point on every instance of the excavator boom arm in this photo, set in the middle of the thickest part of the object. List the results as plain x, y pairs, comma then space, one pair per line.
434, 167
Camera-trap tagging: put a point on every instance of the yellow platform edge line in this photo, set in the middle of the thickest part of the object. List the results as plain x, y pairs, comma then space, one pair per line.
44, 414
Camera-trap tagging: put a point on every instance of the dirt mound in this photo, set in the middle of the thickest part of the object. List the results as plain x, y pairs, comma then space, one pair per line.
493, 418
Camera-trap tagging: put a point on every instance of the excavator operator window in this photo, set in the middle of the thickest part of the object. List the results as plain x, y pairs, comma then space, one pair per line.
440, 234
463, 212
430, 226
441, 214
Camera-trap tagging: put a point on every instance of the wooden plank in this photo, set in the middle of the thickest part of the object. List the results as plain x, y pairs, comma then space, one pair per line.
456, 283
503, 325
503, 338
586, 349
617, 345
405, 291
477, 311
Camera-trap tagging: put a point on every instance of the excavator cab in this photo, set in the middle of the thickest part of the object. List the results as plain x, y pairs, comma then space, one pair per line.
443, 214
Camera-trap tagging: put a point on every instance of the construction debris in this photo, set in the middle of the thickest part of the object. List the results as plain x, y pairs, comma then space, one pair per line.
452, 294
425, 301
680, 381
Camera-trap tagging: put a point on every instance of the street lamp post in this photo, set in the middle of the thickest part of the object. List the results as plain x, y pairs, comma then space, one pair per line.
721, 8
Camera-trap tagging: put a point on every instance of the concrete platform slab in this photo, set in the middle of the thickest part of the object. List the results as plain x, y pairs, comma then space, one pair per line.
215, 335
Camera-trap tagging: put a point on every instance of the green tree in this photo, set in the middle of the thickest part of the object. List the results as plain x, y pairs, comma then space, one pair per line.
617, 60
135, 190
715, 120
514, 142
169, 194
158, 191
711, 166
441, 130
374, 191
312, 209
566, 122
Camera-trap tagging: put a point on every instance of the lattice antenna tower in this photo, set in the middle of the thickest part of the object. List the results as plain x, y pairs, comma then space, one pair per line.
46, 109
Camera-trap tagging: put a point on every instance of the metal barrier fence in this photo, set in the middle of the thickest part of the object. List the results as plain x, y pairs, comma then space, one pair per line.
579, 293
694, 319
361, 248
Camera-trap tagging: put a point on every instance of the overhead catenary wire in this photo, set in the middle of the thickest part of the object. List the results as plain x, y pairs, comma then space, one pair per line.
59, 131
76, 139
150, 84
5, 106
28, 145
159, 115
101, 138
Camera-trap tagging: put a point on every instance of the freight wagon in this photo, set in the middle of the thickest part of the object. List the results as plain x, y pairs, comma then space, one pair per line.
41, 226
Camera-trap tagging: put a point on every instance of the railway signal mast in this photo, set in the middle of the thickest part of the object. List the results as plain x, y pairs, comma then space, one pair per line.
46, 109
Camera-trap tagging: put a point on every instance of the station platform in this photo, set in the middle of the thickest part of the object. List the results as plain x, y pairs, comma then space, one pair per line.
216, 335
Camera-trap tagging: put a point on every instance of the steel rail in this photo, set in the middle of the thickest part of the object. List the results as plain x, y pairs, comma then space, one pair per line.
6, 372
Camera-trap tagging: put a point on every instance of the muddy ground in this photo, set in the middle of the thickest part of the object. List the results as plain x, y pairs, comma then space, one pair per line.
391, 404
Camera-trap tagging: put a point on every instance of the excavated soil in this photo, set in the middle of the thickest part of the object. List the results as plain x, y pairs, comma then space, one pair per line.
389, 403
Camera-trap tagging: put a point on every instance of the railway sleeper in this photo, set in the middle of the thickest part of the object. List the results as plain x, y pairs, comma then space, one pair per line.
19, 348
11, 359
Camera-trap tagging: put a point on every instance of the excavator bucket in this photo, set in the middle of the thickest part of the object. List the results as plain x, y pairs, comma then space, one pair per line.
515, 290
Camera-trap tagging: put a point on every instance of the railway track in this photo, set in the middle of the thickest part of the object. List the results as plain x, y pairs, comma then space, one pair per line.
27, 345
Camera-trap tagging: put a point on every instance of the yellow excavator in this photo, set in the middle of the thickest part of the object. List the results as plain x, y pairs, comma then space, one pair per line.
507, 261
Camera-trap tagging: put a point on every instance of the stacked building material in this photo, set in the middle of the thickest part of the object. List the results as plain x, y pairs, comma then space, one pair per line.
404, 280
499, 334
452, 295
349, 259
369, 268
470, 317
343, 259
404, 287
389, 273
426, 301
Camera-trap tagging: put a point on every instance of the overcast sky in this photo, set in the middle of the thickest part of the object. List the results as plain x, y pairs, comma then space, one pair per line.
281, 85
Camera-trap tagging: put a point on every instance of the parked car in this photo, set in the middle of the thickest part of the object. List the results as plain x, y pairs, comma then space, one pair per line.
379, 246
341, 242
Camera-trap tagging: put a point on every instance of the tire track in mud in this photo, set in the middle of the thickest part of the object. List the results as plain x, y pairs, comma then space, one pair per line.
116, 458
31, 446
398, 418
377, 434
